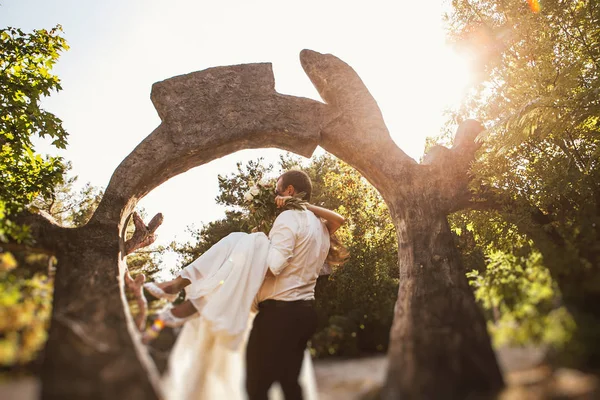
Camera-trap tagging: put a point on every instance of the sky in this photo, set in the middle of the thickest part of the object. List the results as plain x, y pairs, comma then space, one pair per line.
119, 48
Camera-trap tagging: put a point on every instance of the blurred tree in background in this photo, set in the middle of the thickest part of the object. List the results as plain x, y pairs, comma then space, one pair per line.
25, 285
31, 181
359, 297
537, 76
26, 298
25, 78
520, 299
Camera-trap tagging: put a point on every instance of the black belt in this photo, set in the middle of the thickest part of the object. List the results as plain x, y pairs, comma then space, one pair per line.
282, 303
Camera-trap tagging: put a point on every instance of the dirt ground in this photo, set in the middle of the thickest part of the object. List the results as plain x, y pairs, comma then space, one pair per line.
349, 379
526, 377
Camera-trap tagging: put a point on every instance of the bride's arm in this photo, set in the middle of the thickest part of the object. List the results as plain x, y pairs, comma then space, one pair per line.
333, 220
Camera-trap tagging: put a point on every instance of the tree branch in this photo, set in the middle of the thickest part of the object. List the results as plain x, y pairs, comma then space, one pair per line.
446, 172
143, 235
591, 55
512, 210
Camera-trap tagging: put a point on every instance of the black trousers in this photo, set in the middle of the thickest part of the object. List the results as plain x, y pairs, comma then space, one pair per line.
276, 347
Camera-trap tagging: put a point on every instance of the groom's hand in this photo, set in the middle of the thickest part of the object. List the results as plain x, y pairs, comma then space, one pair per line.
280, 200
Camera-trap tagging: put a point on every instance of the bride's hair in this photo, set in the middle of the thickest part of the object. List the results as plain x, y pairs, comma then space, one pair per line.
299, 180
338, 253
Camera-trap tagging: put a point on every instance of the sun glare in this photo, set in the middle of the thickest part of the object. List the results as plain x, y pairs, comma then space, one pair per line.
429, 87
458, 76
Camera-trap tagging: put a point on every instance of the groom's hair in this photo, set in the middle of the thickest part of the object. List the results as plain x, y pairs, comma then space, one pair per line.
299, 180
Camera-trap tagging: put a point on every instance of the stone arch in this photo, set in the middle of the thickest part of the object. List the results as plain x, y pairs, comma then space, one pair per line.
93, 350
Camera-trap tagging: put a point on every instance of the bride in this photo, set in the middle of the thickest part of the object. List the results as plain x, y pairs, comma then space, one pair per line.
207, 361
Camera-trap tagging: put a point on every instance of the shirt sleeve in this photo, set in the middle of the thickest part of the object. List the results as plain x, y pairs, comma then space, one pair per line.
283, 241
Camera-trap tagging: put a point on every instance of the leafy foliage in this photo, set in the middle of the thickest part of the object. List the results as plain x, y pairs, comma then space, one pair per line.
25, 306
68, 206
27, 278
522, 294
27, 59
28, 179
542, 80
538, 79
520, 299
365, 288
338, 337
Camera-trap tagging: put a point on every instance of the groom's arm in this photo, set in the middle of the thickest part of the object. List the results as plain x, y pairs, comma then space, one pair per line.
283, 241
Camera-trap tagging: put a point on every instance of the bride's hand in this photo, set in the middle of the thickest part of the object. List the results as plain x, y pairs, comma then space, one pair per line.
280, 200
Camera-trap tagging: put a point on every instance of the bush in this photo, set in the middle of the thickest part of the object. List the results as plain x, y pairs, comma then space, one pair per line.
362, 303
25, 307
338, 338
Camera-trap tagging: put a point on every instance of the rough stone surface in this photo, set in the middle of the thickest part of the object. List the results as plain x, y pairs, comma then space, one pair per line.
207, 115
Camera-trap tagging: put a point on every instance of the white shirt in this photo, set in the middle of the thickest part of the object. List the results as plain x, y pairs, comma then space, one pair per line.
299, 247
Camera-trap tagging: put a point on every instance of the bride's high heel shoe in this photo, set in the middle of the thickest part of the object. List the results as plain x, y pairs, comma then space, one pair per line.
168, 319
159, 293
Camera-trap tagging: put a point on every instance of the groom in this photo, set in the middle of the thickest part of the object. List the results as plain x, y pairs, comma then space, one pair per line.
286, 319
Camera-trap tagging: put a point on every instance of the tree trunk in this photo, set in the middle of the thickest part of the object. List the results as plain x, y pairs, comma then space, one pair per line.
439, 345
90, 353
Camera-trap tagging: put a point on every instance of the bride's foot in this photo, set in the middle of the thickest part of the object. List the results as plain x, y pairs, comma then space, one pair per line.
170, 320
159, 292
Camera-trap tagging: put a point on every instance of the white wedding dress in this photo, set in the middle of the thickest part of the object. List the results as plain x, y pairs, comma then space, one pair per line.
208, 359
